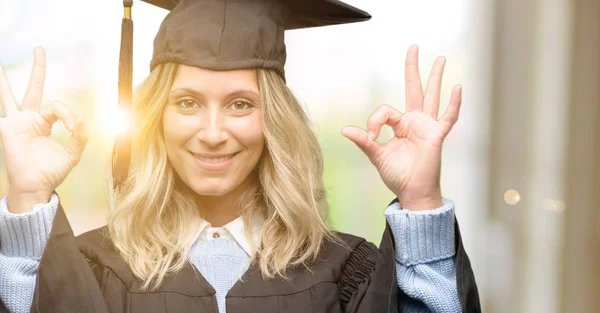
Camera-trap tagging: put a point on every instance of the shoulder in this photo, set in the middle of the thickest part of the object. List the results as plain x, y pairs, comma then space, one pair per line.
98, 249
349, 239
349, 244
349, 253
355, 248
95, 242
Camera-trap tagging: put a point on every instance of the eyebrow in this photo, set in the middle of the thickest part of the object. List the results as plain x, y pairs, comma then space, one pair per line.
241, 92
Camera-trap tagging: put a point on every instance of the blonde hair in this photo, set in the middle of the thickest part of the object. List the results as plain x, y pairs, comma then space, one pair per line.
153, 219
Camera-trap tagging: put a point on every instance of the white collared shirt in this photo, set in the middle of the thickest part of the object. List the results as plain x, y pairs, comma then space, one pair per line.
233, 231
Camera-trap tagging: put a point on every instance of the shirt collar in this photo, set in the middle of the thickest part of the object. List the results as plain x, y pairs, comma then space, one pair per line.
233, 231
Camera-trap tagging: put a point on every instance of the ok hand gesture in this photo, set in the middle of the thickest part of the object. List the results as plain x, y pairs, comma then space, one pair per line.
36, 163
410, 163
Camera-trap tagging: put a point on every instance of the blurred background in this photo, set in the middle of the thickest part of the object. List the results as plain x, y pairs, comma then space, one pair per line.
522, 165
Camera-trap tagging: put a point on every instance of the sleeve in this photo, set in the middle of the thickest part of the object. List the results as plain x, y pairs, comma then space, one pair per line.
433, 271
23, 238
425, 264
65, 280
369, 279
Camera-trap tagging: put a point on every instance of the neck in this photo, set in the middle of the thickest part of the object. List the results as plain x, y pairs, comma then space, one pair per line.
217, 210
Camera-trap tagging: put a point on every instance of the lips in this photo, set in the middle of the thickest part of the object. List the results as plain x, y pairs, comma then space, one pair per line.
214, 164
218, 158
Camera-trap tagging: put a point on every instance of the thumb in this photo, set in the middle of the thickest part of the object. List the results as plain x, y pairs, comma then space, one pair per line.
361, 139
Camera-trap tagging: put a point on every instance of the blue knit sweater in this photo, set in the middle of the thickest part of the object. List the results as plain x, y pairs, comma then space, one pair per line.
424, 243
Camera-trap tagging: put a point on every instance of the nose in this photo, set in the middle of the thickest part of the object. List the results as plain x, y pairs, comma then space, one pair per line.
212, 128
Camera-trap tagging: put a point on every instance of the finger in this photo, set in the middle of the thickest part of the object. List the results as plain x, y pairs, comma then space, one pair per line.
384, 115
431, 102
78, 140
362, 140
451, 116
7, 100
414, 88
59, 111
35, 89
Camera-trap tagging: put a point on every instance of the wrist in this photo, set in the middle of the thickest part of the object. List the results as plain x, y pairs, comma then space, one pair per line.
420, 201
24, 202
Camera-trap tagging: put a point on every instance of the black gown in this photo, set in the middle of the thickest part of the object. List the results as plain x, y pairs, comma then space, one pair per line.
86, 274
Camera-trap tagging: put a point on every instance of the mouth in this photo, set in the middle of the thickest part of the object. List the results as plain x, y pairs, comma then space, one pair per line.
213, 160
214, 163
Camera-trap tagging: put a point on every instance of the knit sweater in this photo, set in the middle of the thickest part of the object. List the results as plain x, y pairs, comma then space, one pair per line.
424, 242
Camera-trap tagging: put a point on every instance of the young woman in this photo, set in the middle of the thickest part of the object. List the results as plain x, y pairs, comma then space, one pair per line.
223, 207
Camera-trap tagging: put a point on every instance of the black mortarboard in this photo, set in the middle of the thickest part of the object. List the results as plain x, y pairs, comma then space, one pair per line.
221, 35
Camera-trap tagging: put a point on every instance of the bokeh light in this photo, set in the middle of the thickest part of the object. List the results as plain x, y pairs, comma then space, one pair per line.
557, 206
512, 197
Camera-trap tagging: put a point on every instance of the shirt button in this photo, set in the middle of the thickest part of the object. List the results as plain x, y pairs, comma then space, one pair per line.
216, 235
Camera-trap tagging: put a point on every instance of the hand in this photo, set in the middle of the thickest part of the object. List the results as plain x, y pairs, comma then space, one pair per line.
410, 163
36, 164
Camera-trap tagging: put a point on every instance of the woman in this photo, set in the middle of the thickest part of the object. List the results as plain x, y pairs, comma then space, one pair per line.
223, 206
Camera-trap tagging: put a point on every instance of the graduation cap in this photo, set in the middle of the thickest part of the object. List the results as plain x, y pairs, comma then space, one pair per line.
221, 35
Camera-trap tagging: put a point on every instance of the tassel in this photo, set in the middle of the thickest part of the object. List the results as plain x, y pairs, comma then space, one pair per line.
122, 146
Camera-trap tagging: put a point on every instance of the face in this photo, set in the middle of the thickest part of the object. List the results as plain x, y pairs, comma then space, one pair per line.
213, 129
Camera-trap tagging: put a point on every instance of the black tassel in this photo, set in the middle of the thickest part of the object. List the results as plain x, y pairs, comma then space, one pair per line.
122, 146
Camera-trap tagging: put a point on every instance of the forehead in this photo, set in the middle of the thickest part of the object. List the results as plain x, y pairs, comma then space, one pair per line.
204, 79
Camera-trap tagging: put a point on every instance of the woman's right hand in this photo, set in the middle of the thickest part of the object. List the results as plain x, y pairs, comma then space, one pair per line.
36, 163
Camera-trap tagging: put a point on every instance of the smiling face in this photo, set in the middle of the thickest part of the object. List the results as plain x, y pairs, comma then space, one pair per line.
212, 126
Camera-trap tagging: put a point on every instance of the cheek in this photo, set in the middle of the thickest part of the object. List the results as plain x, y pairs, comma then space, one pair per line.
177, 132
177, 128
249, 132
168, 124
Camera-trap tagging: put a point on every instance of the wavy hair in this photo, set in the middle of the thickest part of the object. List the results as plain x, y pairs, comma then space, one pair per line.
153, 219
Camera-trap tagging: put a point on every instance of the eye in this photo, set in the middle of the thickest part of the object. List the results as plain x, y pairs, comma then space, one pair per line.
186, 104
241, 105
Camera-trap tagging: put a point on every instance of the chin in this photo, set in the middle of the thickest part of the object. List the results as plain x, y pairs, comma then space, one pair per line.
210, 193
211, 189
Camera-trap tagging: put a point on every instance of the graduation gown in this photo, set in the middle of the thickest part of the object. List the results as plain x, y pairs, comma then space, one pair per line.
86, 274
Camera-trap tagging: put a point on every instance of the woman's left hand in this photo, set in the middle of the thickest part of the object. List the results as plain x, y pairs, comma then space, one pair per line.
410, 163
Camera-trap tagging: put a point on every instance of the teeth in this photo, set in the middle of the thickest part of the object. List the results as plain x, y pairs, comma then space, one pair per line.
214, 160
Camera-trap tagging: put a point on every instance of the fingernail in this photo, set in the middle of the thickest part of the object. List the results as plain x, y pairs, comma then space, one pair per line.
372, 134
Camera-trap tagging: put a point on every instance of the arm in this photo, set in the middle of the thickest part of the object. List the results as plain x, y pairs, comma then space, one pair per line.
425, 258
404, 274
63, 264
23, 239
410, 166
